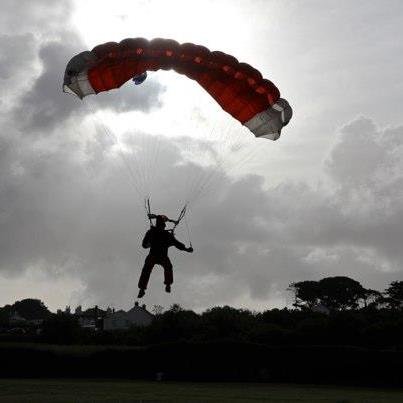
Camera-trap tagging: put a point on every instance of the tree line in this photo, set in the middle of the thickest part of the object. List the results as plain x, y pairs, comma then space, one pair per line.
332, 311
356, 339
343, 293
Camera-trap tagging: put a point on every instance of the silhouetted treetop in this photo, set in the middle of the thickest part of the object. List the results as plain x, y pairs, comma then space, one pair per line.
334, 293
31, 309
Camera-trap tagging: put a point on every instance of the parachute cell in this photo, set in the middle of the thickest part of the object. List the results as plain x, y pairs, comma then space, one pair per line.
238, 88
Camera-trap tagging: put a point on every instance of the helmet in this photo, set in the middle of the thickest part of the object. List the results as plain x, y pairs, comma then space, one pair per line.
161, 219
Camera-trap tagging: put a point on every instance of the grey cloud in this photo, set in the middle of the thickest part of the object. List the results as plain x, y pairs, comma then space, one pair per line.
72, 209
17, 55
17, 61
33, 16
361, 157
44, 106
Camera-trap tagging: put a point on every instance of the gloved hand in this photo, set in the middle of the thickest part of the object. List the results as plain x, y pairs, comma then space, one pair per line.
189, 249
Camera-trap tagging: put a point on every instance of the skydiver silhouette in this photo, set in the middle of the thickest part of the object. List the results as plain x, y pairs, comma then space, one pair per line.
158, 239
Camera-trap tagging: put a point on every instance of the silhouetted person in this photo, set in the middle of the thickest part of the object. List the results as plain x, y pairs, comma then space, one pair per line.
158, 239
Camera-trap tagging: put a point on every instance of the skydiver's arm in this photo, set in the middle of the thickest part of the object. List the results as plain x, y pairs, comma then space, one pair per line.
180, 245
147, 240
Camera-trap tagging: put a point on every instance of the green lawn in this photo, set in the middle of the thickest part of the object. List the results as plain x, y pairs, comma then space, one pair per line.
67, 390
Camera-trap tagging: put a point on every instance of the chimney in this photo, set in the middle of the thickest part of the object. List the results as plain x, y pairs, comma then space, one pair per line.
136, 304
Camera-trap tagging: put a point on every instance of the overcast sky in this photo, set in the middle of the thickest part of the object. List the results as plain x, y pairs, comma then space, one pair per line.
326, 199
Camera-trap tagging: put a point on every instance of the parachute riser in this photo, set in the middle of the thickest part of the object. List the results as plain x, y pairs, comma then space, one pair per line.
176, 222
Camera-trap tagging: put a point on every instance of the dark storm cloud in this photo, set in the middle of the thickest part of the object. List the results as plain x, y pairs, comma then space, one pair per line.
44, 105
17, 53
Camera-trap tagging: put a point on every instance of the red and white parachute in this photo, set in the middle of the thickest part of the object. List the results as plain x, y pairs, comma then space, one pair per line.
239, 88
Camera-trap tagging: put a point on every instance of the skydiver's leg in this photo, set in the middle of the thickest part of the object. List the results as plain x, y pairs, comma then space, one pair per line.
168, 273
145, 273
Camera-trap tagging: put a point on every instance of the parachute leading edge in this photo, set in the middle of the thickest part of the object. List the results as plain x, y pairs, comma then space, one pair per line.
238, 88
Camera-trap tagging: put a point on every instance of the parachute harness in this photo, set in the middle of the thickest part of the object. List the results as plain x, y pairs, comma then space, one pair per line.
182, 215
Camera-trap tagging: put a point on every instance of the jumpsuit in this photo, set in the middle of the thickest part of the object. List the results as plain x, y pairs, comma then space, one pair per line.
158, 240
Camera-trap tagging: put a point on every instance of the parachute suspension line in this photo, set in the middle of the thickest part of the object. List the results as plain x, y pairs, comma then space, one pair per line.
147, 165
201, 177
215, 170
221, 142
198, 191
153, 171
203, 147
208, 185
197, 174
220, 171
223, 166
134, 182
188, 232
183, 216
180, 217
246, 158
141, 169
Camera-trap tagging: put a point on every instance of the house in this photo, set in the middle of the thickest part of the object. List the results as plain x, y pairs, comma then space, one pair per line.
90, 318
67, 311
16, 318
17, 324
120, 320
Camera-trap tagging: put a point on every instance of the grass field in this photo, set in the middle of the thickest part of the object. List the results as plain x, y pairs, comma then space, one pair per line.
64, 390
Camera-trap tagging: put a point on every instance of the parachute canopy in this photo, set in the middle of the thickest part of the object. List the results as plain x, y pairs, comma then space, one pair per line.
239, 88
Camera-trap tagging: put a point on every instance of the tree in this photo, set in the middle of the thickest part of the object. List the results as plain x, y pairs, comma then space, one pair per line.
394, 294
173, 325
5, 314
227, 322
335, 293
157, 310
371, 298
31, 309
340, 293
307, 294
